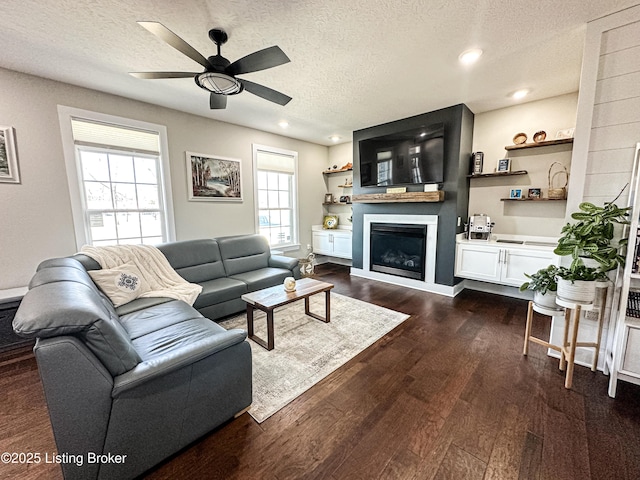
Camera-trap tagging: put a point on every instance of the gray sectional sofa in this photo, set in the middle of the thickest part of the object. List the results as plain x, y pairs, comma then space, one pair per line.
146, 379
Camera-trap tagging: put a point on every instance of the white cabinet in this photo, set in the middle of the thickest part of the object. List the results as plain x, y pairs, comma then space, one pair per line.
490, 262
335, 243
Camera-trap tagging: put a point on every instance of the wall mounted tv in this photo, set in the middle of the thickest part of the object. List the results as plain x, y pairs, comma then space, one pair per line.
410, 157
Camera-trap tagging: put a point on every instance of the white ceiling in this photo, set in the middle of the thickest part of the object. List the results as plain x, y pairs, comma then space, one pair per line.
354, 63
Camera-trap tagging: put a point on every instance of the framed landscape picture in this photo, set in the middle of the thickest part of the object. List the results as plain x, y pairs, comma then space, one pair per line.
8, 159
213, 178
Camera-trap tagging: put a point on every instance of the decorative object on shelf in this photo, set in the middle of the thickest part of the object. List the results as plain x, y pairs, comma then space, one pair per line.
347, 167
566, 133
543, 284
520, 138
345, 199
477, 159
306, 264
504, 165
8, 158
348, 182
535, 193
558, 193
330, 222
328, 198
515, 193
539, 136
289, 284
396, 189
214, 178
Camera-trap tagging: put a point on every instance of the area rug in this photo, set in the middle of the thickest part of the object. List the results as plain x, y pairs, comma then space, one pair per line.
307, 350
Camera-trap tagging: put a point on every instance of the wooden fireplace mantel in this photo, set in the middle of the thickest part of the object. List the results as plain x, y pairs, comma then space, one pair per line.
406, 197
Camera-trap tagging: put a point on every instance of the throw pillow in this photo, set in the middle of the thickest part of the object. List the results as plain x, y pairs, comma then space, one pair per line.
330, 221
121, 284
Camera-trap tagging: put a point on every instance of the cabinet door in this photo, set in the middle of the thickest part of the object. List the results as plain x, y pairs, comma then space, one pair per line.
478, 262
341, 244
322, 243
517, 262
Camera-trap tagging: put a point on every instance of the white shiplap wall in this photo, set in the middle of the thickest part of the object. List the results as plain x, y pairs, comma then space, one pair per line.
607, 130
615, 127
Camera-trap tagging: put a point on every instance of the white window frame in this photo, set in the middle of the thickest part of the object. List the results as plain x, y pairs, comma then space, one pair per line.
65, 115
295, 242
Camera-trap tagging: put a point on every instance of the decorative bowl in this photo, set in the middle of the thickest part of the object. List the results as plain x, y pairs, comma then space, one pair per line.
520, 138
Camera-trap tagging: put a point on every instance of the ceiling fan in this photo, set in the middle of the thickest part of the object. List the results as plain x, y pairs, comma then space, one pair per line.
219, 76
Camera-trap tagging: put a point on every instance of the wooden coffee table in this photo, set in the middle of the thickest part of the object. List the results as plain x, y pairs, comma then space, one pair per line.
268, 299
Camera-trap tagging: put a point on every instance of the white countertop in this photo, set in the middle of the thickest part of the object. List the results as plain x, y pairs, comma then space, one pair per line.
344, 228
529, 242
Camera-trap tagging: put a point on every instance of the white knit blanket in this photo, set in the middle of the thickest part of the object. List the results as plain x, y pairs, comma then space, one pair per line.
162, 279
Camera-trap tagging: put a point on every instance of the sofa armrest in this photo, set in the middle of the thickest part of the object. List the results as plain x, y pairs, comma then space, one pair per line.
280, 261
164, 364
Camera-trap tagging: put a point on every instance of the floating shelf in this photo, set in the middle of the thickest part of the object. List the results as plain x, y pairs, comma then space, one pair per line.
345, 186
406, 197
533, 199
328, 172
336, 203
547, 143
498, 174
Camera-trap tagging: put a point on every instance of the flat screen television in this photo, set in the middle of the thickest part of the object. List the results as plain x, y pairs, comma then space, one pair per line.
414, 156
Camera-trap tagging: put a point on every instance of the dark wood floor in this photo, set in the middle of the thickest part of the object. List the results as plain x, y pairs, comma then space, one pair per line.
446, 395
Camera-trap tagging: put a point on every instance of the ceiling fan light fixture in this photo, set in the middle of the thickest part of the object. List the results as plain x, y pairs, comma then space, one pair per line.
220, 83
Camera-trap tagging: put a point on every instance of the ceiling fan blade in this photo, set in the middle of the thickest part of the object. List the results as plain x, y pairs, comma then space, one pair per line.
260, 60
217, 101
162, 32
160, 75
266, 92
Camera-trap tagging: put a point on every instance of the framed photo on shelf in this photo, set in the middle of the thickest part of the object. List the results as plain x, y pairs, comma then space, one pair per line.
213, 178
515, 193
535, 193
328, 198
504, 165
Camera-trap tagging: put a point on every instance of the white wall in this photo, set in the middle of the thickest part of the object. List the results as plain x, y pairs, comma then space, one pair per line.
35, 218
493, 131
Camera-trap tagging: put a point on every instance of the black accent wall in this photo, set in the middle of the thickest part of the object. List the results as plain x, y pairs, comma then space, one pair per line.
458, 133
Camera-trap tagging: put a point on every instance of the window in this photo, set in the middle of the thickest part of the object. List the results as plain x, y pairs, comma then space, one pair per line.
118, 179
275, 186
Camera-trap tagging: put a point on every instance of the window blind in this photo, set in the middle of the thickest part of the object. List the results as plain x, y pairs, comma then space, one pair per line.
96, 134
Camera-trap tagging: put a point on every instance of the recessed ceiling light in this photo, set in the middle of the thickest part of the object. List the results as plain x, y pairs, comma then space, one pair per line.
519, 94
470, 56
283, 124
335, 138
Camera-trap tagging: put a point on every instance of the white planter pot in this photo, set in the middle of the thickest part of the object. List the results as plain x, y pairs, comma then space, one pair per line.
547, 300
578, 291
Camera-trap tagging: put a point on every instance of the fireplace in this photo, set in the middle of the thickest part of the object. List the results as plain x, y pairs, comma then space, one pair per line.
398, 232
398, 249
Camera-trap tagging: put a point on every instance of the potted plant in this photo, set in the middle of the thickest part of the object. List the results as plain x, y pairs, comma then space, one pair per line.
592, 236
544, 285
578, 284
591, 243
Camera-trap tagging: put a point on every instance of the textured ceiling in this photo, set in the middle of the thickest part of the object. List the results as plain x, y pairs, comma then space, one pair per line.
354, 63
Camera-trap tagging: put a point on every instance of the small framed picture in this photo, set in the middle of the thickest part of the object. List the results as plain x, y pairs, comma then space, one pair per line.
8, 158
515, 193
504, 165
535, 193
345, 199
328, 198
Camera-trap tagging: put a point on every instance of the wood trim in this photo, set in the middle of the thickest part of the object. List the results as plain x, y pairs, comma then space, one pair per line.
406, 197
